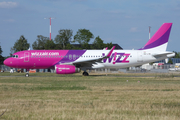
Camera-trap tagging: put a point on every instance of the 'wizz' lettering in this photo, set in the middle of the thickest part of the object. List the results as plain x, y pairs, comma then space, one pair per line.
118, 60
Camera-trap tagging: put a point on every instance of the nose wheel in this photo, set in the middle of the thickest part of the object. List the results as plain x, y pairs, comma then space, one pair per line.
27, 75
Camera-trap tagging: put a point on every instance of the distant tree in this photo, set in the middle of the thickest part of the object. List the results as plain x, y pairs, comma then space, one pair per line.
109, 45
177, 54
40, 43
20, 45
50, 45
86, 46
83, 36
170, 61
63, 38
69, 47
1, 60
76, 47
1, 57
1, 50
98, 43
151, 63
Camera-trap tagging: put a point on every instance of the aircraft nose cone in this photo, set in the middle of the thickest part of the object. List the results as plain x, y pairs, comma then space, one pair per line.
7, 62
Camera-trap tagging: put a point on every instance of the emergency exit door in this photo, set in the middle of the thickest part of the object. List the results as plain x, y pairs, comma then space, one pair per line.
26, 57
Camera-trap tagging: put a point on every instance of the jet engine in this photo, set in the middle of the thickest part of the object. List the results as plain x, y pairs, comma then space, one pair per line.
66, 69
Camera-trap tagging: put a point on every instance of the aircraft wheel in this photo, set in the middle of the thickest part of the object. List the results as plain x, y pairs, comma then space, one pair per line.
27, 75
85, 74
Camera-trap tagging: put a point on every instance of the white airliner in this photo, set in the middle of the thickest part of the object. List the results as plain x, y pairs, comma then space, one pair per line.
72, 61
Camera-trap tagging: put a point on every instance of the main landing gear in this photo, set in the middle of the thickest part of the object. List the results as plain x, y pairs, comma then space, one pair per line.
85, 73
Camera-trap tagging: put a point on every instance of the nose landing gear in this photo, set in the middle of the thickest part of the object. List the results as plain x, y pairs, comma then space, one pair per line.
27, 73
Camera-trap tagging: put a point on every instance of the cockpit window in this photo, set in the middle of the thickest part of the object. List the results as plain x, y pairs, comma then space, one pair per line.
15, 56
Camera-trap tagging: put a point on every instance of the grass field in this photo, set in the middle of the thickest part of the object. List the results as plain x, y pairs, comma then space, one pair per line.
47, 96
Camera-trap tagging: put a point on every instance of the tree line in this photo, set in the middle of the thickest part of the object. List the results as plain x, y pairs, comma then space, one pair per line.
62, 41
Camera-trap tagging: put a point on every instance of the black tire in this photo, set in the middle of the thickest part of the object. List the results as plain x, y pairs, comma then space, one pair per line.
85, 73
27, 75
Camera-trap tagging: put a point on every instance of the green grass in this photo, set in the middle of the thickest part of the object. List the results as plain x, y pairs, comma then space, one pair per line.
158, 75
101, 97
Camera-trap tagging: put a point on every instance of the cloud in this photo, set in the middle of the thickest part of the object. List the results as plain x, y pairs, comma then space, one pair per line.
8, 4
133, 29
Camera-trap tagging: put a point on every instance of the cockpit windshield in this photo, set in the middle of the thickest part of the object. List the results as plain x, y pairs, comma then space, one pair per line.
15, 56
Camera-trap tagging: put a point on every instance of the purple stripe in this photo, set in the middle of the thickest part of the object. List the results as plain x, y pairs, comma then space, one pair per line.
72, 56
162, 40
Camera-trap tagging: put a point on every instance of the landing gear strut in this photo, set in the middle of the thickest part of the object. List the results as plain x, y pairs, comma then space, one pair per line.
85, 73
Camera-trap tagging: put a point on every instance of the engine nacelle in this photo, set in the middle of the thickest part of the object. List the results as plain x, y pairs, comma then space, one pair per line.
66, 69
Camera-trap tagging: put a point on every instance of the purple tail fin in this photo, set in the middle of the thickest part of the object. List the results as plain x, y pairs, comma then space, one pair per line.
159, 38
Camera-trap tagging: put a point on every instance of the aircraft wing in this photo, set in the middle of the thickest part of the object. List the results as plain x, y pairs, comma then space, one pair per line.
89, 62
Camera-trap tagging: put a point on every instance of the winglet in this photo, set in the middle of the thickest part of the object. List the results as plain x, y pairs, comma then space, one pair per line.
110, 52
105, 48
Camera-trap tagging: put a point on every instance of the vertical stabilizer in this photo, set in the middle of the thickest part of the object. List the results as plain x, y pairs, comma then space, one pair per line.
159, 40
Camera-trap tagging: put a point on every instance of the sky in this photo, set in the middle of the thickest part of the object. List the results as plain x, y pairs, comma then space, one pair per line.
124, 22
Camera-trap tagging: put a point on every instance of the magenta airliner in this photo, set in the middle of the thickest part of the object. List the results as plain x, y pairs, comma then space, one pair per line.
72, 61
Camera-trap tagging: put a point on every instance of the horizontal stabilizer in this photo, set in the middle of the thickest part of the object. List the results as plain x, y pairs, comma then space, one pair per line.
167, 54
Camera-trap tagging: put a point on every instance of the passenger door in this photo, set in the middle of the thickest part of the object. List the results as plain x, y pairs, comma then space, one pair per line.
26, 56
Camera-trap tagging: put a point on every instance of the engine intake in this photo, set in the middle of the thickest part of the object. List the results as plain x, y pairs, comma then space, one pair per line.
66, 69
